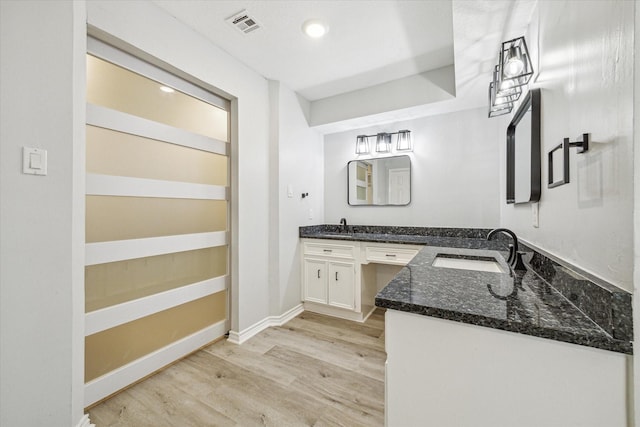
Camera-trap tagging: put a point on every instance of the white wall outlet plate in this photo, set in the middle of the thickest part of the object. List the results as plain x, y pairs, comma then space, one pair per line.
34, 161
535, 215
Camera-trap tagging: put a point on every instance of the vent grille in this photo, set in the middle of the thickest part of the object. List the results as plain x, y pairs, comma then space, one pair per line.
243, 22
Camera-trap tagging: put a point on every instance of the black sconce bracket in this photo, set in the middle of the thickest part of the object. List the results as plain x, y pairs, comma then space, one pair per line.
582, 147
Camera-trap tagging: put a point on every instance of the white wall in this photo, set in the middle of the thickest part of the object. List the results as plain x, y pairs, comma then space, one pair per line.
42, 56
298, 163
585, 70
454, 173
155, 32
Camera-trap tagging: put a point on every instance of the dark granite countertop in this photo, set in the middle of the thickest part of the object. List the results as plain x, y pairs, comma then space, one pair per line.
472, 238
519, 302
539, 302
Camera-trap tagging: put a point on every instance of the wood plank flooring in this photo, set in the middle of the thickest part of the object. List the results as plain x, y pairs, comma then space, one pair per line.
313, 371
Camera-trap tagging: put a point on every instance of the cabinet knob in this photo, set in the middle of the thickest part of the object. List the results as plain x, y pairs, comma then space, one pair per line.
318, 273
336, 276
391, 255
327, 250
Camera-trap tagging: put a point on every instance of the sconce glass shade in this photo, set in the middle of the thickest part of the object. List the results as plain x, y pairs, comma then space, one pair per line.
383, 143
515, 64
362, 144
497, 109
404, 141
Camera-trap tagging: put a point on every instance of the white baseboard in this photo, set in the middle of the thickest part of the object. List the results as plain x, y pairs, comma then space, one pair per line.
118, 379
342, 313
243, 336
84, 422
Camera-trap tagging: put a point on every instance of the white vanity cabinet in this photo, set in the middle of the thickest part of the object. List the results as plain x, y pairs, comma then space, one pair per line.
387, 253
341, 278
330, 281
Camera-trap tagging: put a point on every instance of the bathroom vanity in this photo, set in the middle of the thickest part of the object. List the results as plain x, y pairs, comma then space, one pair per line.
343, 270
470, 342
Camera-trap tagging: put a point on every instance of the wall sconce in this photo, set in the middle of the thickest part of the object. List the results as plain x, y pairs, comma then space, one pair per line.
404, 142
496, 109
515, 64
383, 142
362, 144
514, 70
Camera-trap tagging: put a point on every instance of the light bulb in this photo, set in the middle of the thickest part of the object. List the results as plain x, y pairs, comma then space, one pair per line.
514, 67
314, 28
514, 64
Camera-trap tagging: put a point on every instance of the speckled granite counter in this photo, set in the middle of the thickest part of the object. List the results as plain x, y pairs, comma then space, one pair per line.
472, 238
520, 302
542, 302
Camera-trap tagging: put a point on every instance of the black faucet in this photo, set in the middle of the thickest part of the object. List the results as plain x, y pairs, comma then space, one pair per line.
515, 256
343, 224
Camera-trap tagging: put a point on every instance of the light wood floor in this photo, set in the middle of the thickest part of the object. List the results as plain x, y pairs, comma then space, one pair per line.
313, 371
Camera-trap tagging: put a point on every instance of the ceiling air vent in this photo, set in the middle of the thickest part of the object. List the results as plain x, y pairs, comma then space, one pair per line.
243, 22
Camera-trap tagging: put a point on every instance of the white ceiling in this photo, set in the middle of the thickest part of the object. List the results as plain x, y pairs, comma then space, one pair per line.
370, 43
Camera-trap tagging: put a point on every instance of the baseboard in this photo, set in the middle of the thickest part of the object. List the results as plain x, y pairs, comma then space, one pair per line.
120, 378
337, 312
243, 336
84, 422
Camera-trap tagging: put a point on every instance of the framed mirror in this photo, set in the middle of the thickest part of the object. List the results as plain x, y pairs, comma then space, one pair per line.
379, 182
523, 152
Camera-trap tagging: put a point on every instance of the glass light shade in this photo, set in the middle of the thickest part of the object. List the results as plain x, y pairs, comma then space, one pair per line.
515, 67
362, 144
383, 143
404, 141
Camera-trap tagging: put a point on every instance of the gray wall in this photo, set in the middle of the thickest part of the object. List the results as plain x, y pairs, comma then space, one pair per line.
455, 173
584, 64
42, 61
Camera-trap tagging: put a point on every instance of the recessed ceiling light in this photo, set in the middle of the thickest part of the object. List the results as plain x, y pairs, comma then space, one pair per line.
167, 89
314, 28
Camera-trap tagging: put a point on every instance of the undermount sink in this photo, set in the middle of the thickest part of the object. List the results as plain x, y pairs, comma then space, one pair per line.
467, 263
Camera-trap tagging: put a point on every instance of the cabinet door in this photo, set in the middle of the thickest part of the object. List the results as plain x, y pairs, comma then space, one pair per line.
341, 284
315, 280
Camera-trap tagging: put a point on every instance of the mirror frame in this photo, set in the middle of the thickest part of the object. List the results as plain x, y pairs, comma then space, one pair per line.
381, 158
532, 100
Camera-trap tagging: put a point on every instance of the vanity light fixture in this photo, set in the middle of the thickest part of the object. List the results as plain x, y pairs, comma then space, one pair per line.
514, 70
404, 142
362, 144
504, 95
495, 109
383, 142
514, 64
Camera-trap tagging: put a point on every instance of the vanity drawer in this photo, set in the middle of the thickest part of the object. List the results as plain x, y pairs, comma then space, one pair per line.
389, 254
330, 249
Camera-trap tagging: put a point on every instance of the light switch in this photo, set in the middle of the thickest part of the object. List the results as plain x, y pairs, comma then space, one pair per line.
34, 161
289, 191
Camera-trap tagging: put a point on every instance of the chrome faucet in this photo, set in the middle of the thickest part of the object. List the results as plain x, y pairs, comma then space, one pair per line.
515, 256
343, 224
